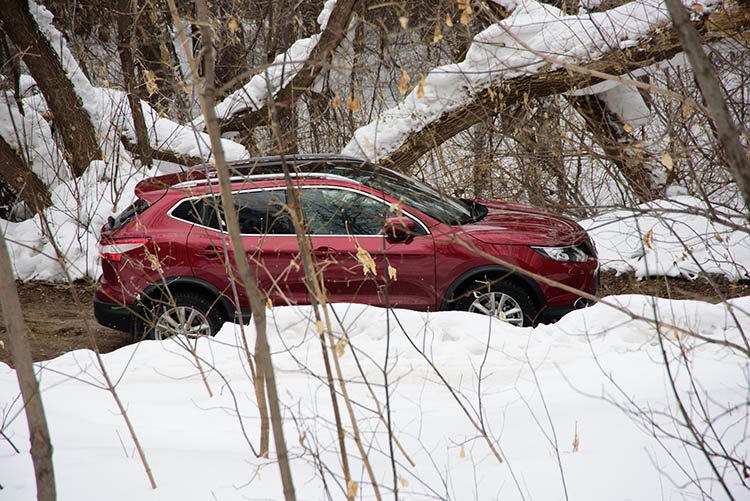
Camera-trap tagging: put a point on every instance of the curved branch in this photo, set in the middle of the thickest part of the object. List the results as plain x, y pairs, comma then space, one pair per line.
302, 82
661, 46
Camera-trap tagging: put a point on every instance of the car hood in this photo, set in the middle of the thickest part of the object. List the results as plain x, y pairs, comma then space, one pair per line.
511, 223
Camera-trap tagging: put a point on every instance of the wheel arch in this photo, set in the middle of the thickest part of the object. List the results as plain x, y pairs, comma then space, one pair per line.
493, 271
158, 290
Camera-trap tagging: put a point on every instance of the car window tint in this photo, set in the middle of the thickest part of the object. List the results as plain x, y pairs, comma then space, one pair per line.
341, 212
199, 211
263, 212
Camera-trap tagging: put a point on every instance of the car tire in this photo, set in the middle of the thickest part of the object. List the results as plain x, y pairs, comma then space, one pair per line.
186, 313
505, 300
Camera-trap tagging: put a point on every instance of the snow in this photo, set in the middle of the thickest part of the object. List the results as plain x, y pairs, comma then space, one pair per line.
597, 375
495, 55
81, 206
674, 238
252, 96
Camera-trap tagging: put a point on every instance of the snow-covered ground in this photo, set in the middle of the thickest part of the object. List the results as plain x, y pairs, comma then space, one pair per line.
582, 409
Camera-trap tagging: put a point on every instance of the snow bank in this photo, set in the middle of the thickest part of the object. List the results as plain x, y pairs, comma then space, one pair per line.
673, 238
575, 408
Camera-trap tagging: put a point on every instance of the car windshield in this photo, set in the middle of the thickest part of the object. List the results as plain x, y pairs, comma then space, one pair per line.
437, 205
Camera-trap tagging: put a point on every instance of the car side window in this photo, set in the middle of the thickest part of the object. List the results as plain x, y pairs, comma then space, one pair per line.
329, 211
200, 211
263, 212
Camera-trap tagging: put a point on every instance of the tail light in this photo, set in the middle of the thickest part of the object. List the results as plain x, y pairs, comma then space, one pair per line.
114, 249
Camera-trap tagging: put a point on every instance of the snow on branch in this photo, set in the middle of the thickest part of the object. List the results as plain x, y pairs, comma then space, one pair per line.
285, 67
510, 49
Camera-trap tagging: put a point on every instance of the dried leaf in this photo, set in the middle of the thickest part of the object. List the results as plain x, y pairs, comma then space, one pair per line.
269, 303
420, 87
151, 86
340, 347
697, 7
352, 102
667, 161
437, 36
464, 17
403, 83
628, 128
302, 437
448, 21
233, 26
365, 259
576, 442
391, 272
648, 239
319, 326
687, 110
397, 208
351, 490
404, 21
336, 101
462, 453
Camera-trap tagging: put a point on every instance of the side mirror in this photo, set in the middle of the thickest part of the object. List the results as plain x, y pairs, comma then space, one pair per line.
399, 228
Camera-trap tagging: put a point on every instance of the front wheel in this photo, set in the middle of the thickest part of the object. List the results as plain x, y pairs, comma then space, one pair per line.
188, 314
504, 300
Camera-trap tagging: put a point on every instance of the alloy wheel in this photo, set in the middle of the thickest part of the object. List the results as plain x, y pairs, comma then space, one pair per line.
499, 305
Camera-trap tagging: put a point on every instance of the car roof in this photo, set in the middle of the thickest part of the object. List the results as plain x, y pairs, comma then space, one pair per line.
270, 167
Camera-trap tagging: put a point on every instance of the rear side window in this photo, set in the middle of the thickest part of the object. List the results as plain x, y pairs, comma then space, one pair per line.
260, 212
200, 211
128, 214
263, 213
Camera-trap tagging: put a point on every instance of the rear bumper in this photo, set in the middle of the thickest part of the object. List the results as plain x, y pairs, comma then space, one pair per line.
114, 315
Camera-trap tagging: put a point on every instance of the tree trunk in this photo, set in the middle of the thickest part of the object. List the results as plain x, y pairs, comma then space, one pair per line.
726, 130
71, 119
125, 49
18, 345
617, 144
15, 172
280, 37
257, 301
302, 82
153, 55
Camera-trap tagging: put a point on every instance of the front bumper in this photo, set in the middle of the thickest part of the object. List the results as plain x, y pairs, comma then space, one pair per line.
114, 315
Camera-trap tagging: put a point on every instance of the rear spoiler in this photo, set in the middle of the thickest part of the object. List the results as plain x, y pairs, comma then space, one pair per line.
154, 188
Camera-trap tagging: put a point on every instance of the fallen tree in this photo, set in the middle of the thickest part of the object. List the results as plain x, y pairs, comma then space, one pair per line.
434, 128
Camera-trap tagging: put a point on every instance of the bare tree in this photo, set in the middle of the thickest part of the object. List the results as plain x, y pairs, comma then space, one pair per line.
726, 129
71, 118
15, 172
16, 338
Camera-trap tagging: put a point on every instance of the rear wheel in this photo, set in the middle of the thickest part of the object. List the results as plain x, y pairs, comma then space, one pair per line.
188, 314
504, 300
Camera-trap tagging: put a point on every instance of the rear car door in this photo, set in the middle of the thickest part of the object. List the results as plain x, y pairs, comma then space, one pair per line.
269, 242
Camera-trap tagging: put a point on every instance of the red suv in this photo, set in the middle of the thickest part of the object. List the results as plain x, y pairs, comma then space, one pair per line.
168, 264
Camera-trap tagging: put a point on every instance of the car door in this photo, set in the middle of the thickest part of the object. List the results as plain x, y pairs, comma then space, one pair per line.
358, 263
270, 246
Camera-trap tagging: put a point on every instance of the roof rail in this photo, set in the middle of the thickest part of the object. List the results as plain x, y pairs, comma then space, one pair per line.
262, 177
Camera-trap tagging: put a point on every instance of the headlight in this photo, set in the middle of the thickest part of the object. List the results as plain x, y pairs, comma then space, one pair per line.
568, 254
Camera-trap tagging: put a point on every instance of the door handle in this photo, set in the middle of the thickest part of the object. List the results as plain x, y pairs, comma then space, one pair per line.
324, 252
213, 252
